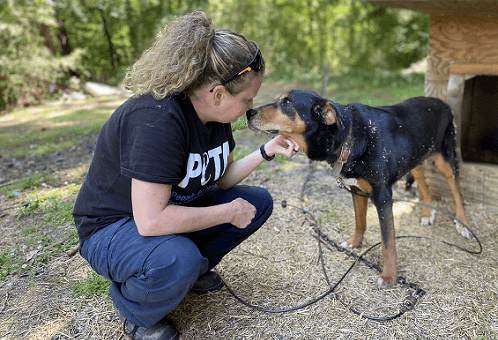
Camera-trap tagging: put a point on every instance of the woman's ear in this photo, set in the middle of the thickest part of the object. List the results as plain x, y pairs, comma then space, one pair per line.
219, 93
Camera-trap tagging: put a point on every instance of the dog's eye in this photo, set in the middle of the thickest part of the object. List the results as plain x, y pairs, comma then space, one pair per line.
286, 101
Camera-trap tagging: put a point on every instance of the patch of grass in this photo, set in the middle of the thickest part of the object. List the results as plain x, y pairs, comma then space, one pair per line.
50, 130
27, 231
69, 241
240, 124
281, 159
55, 211
94, 285
241, 151
57, 193
42, 239
9, 264
328, 214
288, 165
53, 204
369, 87
31, 182
12, 263
59, 213
29, 207
81, 173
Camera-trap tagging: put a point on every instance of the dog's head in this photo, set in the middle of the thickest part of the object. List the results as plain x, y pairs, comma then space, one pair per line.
295, 115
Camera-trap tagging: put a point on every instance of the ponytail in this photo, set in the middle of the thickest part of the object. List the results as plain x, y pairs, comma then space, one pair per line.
189, 54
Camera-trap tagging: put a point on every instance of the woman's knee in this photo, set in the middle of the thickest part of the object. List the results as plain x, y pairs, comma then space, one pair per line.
179, 255
265, 203
259, 197
168, 273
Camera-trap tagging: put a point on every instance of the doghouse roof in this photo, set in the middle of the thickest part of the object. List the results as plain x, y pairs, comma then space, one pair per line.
447, 7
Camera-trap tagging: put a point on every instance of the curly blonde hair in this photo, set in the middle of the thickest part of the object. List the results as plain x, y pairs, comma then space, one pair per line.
188, 54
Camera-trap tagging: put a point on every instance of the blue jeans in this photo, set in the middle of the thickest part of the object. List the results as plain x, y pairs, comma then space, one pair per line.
151, 275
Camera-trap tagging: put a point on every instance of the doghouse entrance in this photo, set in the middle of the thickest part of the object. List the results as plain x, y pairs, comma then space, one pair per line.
479, 124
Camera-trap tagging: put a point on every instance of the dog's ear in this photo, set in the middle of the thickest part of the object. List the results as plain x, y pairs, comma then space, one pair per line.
328, 114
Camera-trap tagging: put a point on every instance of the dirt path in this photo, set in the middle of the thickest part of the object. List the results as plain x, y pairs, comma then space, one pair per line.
278, 267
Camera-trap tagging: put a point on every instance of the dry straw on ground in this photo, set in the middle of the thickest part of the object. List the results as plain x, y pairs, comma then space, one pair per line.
279, 267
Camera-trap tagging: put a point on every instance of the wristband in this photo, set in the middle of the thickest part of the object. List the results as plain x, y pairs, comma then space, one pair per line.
263, 153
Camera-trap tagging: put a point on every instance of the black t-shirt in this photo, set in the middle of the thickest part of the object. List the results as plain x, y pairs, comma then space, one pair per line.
158, 141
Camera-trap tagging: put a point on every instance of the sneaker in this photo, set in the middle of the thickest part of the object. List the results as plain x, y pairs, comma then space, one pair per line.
163, 330
208, 282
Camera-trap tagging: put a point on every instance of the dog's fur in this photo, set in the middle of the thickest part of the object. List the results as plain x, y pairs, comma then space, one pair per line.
385, 143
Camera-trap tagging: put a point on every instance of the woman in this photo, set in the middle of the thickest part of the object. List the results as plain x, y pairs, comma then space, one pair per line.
160, 205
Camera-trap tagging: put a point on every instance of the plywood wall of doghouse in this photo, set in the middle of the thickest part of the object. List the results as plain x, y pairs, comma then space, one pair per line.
462, 44
458, 40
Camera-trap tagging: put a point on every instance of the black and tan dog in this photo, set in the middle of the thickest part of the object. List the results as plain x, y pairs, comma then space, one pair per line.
370, 148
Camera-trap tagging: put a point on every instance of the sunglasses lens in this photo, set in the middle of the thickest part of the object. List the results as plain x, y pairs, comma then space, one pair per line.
254, 65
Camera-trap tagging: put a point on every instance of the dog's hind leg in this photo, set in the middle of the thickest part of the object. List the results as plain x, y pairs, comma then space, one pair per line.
428, 215
384, 204
452, 179
360, 213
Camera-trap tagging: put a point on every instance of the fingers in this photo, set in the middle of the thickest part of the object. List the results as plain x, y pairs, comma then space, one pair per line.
283, 146
243, 213
292, 148
292, 143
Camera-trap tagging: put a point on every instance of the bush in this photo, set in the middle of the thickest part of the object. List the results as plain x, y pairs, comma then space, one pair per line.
30, 67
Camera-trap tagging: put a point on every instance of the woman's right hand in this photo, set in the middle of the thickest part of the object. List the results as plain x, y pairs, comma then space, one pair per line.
243, 213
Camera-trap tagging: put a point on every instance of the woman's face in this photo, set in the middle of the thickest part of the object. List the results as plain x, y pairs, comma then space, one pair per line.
232, 107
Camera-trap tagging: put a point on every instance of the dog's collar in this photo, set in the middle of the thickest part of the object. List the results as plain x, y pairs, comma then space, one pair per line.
343, 157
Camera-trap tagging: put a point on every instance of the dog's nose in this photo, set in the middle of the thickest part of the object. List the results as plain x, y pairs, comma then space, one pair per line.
250, 113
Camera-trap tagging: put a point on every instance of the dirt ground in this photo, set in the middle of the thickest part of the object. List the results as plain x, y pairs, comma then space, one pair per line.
278, 267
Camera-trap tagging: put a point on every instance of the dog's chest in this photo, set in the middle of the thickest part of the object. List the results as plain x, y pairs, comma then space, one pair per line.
352, 182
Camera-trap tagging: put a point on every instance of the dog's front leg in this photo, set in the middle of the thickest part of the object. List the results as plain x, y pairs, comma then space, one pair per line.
384, 205
360, 214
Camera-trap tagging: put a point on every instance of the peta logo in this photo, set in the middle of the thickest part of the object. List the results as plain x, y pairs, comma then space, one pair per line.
198, 165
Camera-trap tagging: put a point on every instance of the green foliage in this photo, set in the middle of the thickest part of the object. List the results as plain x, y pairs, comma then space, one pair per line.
48, 41
29, 63
114, 33
94, 285
338, 34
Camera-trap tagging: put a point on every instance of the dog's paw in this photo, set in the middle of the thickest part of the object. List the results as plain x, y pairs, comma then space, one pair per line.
462, 230
428, 220
381, 284
344, 245
354, 241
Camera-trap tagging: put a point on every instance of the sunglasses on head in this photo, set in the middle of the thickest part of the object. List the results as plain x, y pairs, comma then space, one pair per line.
254, 65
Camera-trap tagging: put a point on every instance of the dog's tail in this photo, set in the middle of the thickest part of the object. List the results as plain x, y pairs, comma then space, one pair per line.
448, 148
409, 181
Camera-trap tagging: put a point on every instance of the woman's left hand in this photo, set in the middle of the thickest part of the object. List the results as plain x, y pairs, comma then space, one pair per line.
282, 146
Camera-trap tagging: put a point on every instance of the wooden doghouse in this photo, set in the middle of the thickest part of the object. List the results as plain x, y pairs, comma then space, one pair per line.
462, 58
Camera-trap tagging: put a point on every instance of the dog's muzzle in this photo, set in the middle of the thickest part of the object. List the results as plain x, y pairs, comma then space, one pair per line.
250, 113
